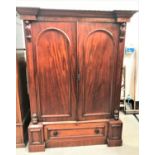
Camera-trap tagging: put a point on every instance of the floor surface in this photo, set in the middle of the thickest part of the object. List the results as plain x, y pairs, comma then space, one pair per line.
130, 143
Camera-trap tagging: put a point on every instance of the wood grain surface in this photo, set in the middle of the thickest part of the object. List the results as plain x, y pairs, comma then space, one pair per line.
97, 56
55, 70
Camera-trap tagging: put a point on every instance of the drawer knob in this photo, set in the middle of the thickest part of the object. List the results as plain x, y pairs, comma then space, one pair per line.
97, 131
55, 133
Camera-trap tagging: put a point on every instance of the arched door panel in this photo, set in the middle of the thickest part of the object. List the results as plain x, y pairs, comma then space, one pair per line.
96, 56
55, 71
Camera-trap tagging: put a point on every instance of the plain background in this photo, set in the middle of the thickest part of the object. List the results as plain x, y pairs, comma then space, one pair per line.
8, 76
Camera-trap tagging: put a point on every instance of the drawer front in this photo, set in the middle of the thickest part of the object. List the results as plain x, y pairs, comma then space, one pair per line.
74, 130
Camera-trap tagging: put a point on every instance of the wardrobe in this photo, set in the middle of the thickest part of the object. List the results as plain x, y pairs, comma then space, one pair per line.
74, 61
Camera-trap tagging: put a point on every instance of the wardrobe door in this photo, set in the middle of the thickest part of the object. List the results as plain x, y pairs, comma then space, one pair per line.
97, 51
55, 64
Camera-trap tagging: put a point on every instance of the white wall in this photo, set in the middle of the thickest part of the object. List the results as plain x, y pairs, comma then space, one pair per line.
131, 60
20, 43
81, 4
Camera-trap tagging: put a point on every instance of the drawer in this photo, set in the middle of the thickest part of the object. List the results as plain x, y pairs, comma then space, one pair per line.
75, 130
75, 134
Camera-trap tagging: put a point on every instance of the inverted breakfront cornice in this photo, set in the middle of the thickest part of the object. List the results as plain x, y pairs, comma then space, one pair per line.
38, 14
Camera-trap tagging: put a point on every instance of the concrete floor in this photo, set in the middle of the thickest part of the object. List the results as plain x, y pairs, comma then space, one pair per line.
130, 143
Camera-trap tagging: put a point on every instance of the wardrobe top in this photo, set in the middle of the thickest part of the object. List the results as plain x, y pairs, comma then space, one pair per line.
34, 13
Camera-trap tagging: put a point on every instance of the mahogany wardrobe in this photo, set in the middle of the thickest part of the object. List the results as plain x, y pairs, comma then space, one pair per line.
74, 61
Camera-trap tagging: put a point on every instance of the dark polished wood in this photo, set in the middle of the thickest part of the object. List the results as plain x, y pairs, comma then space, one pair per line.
36, 138
22, 102
55, 61
75, 133
115, 133
74, 63
34, 13
97, 54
